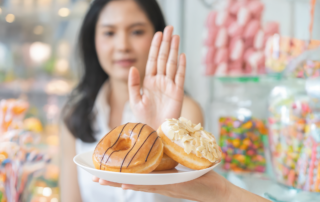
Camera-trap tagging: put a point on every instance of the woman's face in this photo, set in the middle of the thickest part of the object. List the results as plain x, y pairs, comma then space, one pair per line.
123, 38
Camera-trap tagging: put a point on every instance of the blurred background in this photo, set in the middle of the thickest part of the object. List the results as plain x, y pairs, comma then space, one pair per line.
39, 68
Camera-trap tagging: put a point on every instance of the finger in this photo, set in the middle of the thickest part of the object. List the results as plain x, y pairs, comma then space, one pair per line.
153, 189
173, 57
134, 86
108, 183
164, 50
153, 54
181, 72
95, 179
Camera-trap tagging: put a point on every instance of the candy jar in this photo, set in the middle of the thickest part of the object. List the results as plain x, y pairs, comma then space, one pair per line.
309, 162
306, 65
294, 136
242, 138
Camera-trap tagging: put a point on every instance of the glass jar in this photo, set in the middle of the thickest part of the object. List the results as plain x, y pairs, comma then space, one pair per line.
294, 137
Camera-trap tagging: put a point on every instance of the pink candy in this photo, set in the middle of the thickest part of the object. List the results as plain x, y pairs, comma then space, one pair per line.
222, 19
243, 16
235, 66
248, 42
211, 19
259, 40
210, 70
210, 56
256, 9
248, 53
211, 38
236, 39
221, 56
235, 29
221, 69
235, 7
252, 29
237, 50
222, 38
255, 62
271, 28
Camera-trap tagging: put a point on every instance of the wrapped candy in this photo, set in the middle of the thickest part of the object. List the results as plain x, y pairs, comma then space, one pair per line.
235, 30
20, 157
256, 9
11, 114
223, 19
284, 55
222, 38
19, 161
259, 40
212, 35
251, 29
237, 50
307, 65
210, 56
211, 19
243, 16
221, 56
221, 69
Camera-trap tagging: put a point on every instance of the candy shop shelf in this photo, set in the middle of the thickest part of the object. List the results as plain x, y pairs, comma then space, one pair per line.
256, 79
266, 187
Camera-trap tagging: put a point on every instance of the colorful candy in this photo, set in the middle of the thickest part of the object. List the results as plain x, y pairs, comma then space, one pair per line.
242, 144
11, 114
294, 138
308, 69
280, 51
20, 158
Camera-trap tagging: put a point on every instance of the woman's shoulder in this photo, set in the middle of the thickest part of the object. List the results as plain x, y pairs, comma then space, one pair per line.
192, 110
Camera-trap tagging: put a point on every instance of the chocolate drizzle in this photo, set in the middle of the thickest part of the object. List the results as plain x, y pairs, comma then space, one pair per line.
110, 156
132, 146
112, 145
140, 148
104, 137
151, 148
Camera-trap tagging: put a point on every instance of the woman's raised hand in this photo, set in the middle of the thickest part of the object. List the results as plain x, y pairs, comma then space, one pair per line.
163, 84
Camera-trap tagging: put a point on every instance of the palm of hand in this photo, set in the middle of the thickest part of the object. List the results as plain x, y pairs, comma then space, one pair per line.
162, 96
162, 99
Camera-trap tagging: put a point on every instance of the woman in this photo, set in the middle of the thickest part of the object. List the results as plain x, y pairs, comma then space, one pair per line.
115, 36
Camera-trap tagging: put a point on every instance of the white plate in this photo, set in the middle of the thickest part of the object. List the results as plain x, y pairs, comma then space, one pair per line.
177, 175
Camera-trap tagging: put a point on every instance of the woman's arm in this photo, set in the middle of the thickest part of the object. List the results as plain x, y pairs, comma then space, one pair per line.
191, 110
69, 187
211, 187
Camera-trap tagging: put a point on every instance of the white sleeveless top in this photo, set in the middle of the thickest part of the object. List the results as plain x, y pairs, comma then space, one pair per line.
94, 192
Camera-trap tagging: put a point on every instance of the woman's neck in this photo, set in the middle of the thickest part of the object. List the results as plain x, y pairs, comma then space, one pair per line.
118, 94
117, 98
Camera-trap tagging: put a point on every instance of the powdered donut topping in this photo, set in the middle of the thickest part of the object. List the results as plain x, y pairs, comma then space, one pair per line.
192, 138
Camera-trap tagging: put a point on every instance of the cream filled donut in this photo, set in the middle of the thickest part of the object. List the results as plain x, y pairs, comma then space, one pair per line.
189, 144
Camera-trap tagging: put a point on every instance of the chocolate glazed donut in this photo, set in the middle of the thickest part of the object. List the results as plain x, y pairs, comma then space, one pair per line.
129, 148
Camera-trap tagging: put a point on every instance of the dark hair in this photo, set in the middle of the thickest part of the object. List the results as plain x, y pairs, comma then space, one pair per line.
78, 112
